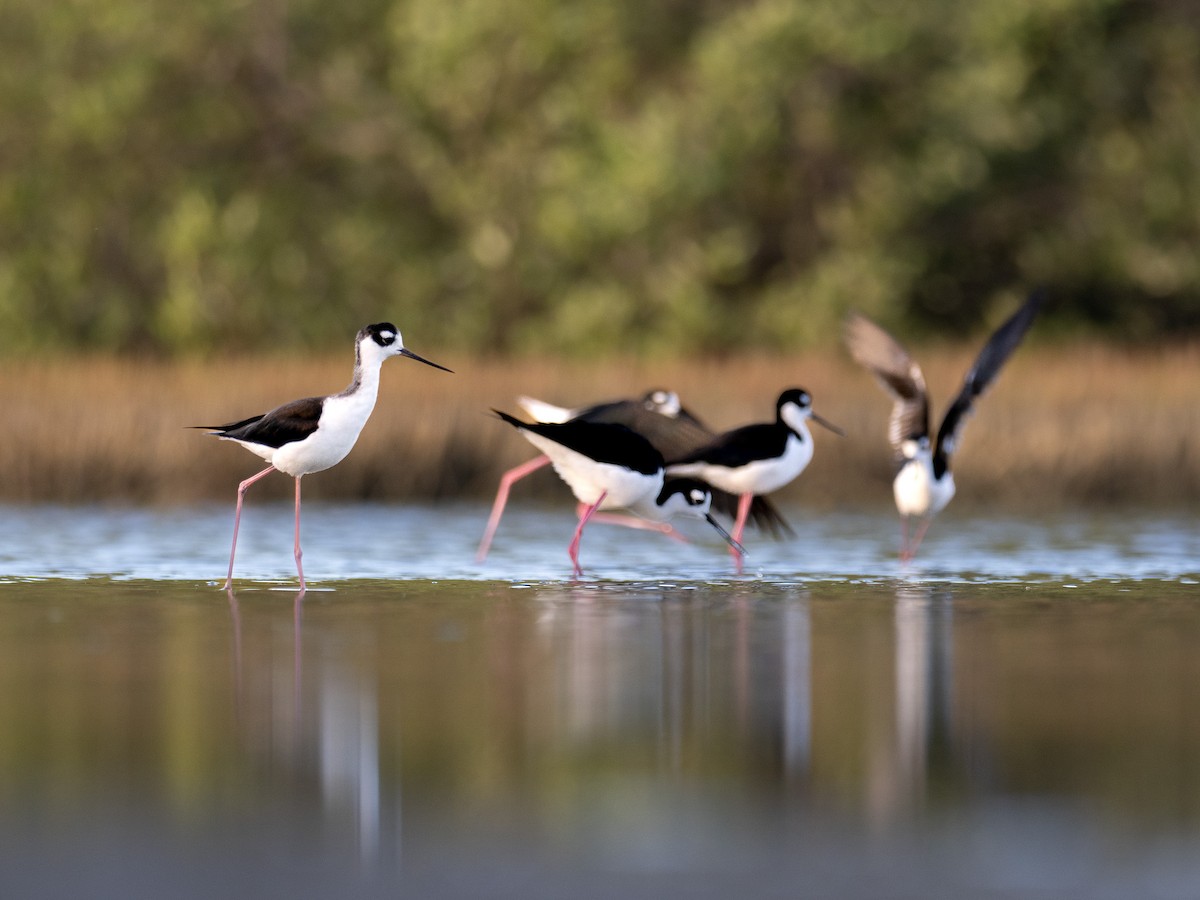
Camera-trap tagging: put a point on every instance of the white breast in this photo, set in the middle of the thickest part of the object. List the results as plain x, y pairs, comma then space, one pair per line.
342, 421
917, 492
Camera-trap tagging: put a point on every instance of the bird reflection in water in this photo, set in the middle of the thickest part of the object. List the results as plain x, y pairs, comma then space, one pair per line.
317, 723
923, 697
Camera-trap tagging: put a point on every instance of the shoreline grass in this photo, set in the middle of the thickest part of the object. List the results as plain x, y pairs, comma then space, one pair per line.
1077, 425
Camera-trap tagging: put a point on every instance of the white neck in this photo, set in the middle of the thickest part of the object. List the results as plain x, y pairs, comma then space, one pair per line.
368, 358
794, 419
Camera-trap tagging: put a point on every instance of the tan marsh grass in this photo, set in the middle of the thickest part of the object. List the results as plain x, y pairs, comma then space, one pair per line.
1073, 425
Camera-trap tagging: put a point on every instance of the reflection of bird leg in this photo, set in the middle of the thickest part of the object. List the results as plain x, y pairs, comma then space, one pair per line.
633, 522
236, 618
297, 656
507, 480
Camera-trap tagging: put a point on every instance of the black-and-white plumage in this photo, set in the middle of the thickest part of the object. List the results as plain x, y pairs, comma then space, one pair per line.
609, 466
315, 433
658, 416
924, 483
756, 459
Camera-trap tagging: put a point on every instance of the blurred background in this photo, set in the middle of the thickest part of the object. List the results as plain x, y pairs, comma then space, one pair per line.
621, 186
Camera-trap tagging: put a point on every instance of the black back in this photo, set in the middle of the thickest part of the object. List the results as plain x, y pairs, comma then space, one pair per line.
674, 436
285, 424
763, 440
603, 442
740, 446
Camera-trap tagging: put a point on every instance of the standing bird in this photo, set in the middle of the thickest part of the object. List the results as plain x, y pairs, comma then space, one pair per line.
661, 418
756, 459
315, 433
608, 466
924, 484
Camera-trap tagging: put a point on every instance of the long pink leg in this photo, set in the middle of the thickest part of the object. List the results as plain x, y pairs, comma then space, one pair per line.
921, 529
507, 480
904, 556
237, 519
634, 522
739, 527
573, 549
298, 552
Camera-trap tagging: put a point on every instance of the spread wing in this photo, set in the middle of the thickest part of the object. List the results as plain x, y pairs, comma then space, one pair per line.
995, 353
899, 374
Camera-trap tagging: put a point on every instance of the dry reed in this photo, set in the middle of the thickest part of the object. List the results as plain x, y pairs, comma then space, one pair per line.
1079, 425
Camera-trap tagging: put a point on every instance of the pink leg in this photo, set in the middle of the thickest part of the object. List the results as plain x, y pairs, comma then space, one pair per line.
633, 522
920, 535
739, 527
298, 553
507, 480
573, 549
904, 555
237, 519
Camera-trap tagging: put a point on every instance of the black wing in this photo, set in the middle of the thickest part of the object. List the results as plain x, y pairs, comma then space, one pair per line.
742, 445
676, 436
899, 374
670, 436
283, 425
602, 441
995, 352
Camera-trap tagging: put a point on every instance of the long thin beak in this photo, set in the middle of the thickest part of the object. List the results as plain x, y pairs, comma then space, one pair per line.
828, 424
406, 352
725, 534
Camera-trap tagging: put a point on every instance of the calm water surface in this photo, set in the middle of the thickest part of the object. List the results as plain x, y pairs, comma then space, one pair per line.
1014, 717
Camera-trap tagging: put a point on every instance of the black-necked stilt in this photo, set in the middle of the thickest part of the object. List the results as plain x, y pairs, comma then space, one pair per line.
924, 484
658, 416
312, 434
609, 466
756, 459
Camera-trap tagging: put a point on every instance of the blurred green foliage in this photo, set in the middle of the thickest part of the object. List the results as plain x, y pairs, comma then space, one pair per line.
688, 176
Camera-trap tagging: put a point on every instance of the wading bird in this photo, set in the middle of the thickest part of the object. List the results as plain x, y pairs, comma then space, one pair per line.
315, 433
756, 459
609, 466
661, 418
924, 484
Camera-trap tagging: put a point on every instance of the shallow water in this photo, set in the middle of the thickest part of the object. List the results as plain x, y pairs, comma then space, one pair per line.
1013, 717
374, 541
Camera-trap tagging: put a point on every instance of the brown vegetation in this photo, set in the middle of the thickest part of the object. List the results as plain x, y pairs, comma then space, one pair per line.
1062, 426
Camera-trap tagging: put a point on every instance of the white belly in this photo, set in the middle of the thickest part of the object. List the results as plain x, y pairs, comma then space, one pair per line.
916, 491
588, 479
342, 421
758, 477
